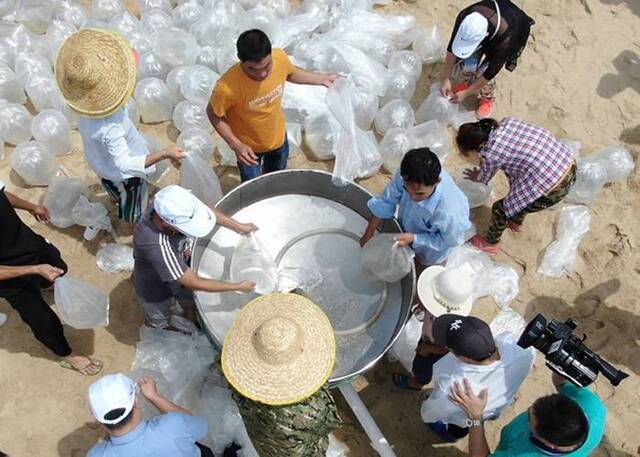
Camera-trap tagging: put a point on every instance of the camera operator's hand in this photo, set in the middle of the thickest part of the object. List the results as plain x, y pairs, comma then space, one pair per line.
463, 396
558, 380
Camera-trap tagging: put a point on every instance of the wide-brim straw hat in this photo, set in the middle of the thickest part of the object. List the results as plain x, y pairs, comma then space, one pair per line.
280, 349
439, 302
96, 72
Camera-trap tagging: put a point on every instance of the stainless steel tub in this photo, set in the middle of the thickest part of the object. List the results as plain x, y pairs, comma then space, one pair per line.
308, 223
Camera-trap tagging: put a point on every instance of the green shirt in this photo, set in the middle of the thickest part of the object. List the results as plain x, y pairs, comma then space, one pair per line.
514, 438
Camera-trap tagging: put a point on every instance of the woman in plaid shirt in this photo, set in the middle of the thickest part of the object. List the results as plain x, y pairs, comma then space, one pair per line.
539, 168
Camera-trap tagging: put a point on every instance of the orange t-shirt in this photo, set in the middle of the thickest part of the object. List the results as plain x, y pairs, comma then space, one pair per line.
252, 108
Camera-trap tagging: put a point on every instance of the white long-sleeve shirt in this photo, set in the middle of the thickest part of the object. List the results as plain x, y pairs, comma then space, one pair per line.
113, 146
502, 379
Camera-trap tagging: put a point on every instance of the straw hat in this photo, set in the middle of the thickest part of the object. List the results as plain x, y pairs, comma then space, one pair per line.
446, 290
280, 349
96, 72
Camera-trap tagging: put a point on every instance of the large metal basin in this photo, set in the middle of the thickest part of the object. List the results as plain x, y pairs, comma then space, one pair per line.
306, 222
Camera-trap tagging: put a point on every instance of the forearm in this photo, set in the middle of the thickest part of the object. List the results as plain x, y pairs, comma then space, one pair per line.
224, 220
164, 405
194, 282
374, 224
478, 446
19, 203
449, 63
9, 272
300, 76
223, 128
154, 157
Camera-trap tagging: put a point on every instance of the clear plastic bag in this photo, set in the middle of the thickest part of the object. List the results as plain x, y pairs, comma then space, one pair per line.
71, 13
226, 156
41, 88
303, 101
104, 10
132, 111
406, 61
431, 135
429, 45
51, 128
7, 7
616, 160
6, 54
508, 321
383, 258
30, 63
226, 58
15, 123
477, 193
152, 66
437, 107
394, 146
188, 115
10, 89
573, 224
62, 195
34, 163
143, 44
197, 84
113, 258
145, 5
79, 304
396, 113
364, 70
298, 27
574, 145
217, 25
365, 106
92, 215
404, 349
57, 32
591, 177
36, 15
154, 20
252, 262
294, 136
58, 104
176, 47
186, 14
321, 134
198, 141
208, 57
125, 23
198, 176
154, 100
398, 29
263, 19
400, 86
174, 80
356, 155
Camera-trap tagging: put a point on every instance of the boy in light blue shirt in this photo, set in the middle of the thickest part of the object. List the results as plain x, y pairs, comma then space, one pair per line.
432, 210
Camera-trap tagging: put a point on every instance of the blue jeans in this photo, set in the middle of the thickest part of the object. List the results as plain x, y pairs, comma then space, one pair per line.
267, 162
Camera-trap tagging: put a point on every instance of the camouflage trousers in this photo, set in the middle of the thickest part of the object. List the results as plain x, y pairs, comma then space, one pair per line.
298, 430
469, 70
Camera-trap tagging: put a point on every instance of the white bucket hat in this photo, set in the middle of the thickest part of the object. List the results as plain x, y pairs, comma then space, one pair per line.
114, 391
182, 210
470, 34
446, 290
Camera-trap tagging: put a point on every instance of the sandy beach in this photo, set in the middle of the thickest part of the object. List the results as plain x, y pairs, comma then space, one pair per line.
579, 77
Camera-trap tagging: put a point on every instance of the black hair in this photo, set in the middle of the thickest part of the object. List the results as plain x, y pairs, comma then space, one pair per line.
473, 134
253, 46
421, 166
560, 420
115, 413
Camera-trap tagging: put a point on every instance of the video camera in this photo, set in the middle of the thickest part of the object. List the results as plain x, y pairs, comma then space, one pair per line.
565, 353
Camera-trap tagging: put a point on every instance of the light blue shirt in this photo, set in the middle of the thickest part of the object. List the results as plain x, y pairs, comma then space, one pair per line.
167, 435
438, 223
113, 146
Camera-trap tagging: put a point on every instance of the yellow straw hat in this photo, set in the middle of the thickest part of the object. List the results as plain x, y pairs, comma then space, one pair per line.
96, 72
280, 349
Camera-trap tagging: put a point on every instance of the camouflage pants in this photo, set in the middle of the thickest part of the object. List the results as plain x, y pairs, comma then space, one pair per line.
298, 430
471, 69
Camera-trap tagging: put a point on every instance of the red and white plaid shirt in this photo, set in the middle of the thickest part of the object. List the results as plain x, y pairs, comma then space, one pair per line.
533, 160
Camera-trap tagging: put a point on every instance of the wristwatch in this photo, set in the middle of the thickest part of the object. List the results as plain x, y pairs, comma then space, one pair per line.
474, 422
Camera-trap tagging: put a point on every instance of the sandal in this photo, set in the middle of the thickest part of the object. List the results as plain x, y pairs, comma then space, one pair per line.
482, 244
85, 369
402, 381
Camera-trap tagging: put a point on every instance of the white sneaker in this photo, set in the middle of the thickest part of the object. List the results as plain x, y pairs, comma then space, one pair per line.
3, 318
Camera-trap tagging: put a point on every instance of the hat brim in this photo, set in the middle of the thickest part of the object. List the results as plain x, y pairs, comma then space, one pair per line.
428, 299
463, 49
202, 222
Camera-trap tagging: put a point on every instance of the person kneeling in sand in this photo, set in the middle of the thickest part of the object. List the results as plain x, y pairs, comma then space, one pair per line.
278, 356
540, 170
162, 244
174, 433
432, 210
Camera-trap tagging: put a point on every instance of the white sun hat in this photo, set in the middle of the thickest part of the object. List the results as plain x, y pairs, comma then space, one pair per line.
446, 290
470, 34
182, 210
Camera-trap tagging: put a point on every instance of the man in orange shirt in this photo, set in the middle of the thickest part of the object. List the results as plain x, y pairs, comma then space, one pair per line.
245, 104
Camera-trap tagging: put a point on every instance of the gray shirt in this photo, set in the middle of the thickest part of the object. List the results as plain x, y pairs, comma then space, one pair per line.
160, 260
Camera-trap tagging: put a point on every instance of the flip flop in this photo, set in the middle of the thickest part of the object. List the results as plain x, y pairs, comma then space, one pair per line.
402, 381
97, 363
482, 244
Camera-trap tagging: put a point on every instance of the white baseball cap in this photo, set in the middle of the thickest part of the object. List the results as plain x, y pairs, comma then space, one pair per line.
470, 34
182, 210
113, 391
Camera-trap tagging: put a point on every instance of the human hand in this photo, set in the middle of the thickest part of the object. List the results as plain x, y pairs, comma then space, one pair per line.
245, 229
365, 238
245, 155
472, 174
246, 286
328, 80
445, 88
460, 96
148, 387
48, 272
463, 396
404, 239
41, 213
174, 153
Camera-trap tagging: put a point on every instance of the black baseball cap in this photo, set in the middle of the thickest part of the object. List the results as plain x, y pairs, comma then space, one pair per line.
465, 335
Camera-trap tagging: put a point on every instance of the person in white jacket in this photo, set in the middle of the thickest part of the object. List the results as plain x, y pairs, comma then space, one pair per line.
497, 364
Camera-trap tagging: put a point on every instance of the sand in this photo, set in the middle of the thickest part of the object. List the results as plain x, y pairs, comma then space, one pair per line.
578, 77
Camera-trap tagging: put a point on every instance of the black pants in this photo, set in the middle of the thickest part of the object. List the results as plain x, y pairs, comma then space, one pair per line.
204, 450
24, 295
